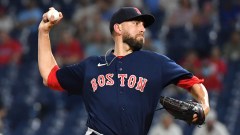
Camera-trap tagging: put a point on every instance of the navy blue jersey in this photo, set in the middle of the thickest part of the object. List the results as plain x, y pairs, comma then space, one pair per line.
121, 98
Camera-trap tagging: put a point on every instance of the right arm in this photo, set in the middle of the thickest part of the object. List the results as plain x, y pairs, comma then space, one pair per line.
46, 60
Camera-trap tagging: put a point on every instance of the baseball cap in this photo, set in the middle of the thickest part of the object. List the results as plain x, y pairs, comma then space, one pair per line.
128, 14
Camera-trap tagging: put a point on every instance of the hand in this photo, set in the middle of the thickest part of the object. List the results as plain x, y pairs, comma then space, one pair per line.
46, 25
206, 110
199, 92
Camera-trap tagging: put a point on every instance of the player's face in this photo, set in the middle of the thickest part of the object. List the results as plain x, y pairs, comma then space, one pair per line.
133, 34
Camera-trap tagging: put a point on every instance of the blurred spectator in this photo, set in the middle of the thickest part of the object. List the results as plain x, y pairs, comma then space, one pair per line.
179, 23
148, 45
203, 31
67, 7
166, 126
83, 8
169, 6
6, 21
129, 3
232, 48
86, 19
102, 26
228, 13
68, 50
212, 126
213, 71
105, 8
156, 10
192, 62
27, 27
154, 44
208, 12
191, 35
182, 15
30, 16
96, 44
10, 49
2, 115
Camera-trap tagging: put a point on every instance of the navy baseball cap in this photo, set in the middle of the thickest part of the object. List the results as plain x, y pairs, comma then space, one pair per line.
128, 14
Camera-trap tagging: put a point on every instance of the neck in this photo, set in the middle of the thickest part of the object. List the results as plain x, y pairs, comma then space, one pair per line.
121, 49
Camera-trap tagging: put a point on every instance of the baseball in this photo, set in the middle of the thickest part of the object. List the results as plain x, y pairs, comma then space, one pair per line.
54, 13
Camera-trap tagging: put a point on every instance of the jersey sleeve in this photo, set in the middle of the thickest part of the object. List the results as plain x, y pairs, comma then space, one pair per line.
187, 83
172, 72
52, 80
71, 78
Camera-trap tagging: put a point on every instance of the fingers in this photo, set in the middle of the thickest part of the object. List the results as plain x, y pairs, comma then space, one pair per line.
52, 20
47, 23
44, 17
60, 17
195, 118
51, 8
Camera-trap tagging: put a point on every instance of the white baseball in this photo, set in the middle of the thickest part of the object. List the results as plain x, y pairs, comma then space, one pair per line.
54, 13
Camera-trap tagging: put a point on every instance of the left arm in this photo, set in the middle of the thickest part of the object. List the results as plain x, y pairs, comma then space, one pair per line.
200, 93
184, 79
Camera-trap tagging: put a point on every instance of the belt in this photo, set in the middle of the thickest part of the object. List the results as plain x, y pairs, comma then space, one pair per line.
92, 132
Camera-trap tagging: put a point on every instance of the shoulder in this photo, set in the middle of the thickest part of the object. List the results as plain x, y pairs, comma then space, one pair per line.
82, 65
152, 55
92, 60
149, 53
89, 60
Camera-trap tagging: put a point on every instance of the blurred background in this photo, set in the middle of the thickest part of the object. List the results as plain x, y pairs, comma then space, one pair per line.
201, 35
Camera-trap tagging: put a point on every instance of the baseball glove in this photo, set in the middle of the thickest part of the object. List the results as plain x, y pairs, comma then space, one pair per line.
184, 110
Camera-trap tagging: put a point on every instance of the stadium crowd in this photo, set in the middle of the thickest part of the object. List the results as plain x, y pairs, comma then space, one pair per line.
201, 35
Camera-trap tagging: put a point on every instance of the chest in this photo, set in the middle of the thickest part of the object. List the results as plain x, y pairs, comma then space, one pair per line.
124, 85
135, 76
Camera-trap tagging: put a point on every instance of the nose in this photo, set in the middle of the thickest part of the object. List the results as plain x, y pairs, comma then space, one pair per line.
142, 28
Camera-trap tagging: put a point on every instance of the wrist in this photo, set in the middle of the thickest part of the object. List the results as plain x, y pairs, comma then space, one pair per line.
206, 109
43, 32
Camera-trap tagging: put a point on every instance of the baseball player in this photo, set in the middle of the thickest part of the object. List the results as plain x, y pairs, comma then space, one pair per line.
121, 89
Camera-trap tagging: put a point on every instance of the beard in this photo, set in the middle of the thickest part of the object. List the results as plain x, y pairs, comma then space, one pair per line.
134, 43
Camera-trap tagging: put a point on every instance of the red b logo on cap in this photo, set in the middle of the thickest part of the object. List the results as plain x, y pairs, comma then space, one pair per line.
137, 10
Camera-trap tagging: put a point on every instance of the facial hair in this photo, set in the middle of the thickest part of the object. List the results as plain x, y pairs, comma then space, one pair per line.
134, 43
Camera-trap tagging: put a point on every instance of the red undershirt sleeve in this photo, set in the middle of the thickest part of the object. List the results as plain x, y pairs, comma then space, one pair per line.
189, 82
52, 80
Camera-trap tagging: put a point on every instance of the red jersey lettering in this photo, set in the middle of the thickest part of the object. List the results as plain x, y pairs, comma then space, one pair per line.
132, 81
94, 84
122, 79
141, 84
101, 80
110, 81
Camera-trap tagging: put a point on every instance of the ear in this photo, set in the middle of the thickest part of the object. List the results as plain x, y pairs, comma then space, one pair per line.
117, 28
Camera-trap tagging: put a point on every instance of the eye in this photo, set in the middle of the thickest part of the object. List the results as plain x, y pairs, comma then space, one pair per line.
137, 23
134, 22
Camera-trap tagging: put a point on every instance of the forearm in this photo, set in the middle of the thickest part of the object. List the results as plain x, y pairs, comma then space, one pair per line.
200, 93
46, 61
